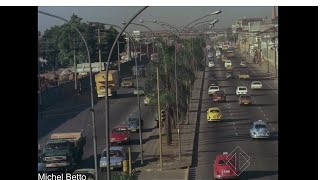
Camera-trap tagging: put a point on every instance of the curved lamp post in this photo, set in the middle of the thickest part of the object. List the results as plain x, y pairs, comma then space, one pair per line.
213, 13
107, 84
91, 89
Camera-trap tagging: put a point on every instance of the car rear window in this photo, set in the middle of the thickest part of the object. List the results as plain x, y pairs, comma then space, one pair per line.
256, 83
258, 126
214, 87
120, 130
214, 111
242, 89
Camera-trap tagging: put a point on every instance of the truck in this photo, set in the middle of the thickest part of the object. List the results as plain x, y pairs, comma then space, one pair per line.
244, 75
63, 150
113, 86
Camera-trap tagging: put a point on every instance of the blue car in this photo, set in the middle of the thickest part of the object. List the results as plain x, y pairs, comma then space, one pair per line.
133, 124
259, 130
117, 156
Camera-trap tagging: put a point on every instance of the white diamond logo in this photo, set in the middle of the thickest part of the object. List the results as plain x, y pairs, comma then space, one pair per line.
241, 160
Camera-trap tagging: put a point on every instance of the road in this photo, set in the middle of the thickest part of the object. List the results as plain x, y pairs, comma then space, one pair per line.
121, 108
233, 131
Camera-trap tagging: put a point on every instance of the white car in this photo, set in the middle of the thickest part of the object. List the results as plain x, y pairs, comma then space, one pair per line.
211, 64
227, 63
210, 55
243, 64
256, 85
218, 53
241, 90
213, 89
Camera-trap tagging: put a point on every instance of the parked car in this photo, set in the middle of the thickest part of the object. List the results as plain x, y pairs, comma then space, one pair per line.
127, 82
214, 114
225, 167
259, 130
133, 124
256, 85
140, 90
120, 135
213, 89
219, 96
245, 99
117, 156
241, 90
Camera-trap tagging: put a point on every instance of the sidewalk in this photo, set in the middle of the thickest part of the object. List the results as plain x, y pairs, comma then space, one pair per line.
172, 169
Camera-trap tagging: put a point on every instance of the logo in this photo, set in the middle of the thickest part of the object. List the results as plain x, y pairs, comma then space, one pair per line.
238, 160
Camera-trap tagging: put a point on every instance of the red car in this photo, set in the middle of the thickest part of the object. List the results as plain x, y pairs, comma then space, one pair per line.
120, 135
224, 167
219, 96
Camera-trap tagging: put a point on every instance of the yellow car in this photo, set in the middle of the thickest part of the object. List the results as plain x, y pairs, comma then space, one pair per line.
214, 114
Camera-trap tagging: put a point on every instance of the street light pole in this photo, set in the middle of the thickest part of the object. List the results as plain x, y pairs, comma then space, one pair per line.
275, 52
159, 119
91, 90
107, 83
75, 64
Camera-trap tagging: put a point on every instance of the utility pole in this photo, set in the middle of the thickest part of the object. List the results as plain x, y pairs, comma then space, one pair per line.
275, 52
99, 41
75, 64
118, 56
140, 50
177, 104
148, 49
159, 120
39, 82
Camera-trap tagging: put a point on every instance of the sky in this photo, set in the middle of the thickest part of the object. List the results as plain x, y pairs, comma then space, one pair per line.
171, 15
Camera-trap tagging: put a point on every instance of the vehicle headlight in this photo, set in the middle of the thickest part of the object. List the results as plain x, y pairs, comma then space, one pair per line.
113, 139
125, 139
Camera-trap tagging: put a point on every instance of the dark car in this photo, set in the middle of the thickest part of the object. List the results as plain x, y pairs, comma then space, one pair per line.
229, 74
219, 96
245, 99
212, 82
133, 124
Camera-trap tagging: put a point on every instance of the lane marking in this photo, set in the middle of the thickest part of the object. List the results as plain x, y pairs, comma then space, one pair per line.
271, 88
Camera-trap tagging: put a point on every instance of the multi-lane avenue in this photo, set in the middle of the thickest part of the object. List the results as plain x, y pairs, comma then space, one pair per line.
233, 130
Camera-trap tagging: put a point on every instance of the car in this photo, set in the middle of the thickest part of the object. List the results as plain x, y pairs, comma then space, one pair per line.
212, 82
127, 82
89, 173
219, 96
256, 85
259, 130
117, 155
213, 89
241, 90
229, 74
210, 55
211, 64
227, 63
225, 167
120, 135
244, 74
243, 64
223, 59
146, 100
214, 114
210, 59
245, 99
133, 124
140, 90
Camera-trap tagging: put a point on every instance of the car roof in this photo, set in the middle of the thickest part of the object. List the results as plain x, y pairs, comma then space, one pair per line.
214, 86
214, 108
242, 87
256, 82
260, 122
120, 126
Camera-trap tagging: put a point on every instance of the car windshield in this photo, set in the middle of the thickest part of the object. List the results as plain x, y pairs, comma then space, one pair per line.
214, 111
120, 130
133, 120
242, 89
260, 126
113, 153
213, 87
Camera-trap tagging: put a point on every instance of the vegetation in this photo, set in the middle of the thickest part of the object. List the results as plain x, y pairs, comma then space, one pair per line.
186, 66
57, 43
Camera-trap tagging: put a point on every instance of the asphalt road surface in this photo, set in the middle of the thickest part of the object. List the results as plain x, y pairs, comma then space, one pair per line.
121, 108
233, 130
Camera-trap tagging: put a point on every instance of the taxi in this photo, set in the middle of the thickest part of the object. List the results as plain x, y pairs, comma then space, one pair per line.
214, 114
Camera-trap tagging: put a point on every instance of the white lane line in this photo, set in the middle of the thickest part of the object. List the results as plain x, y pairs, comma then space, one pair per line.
271, 88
